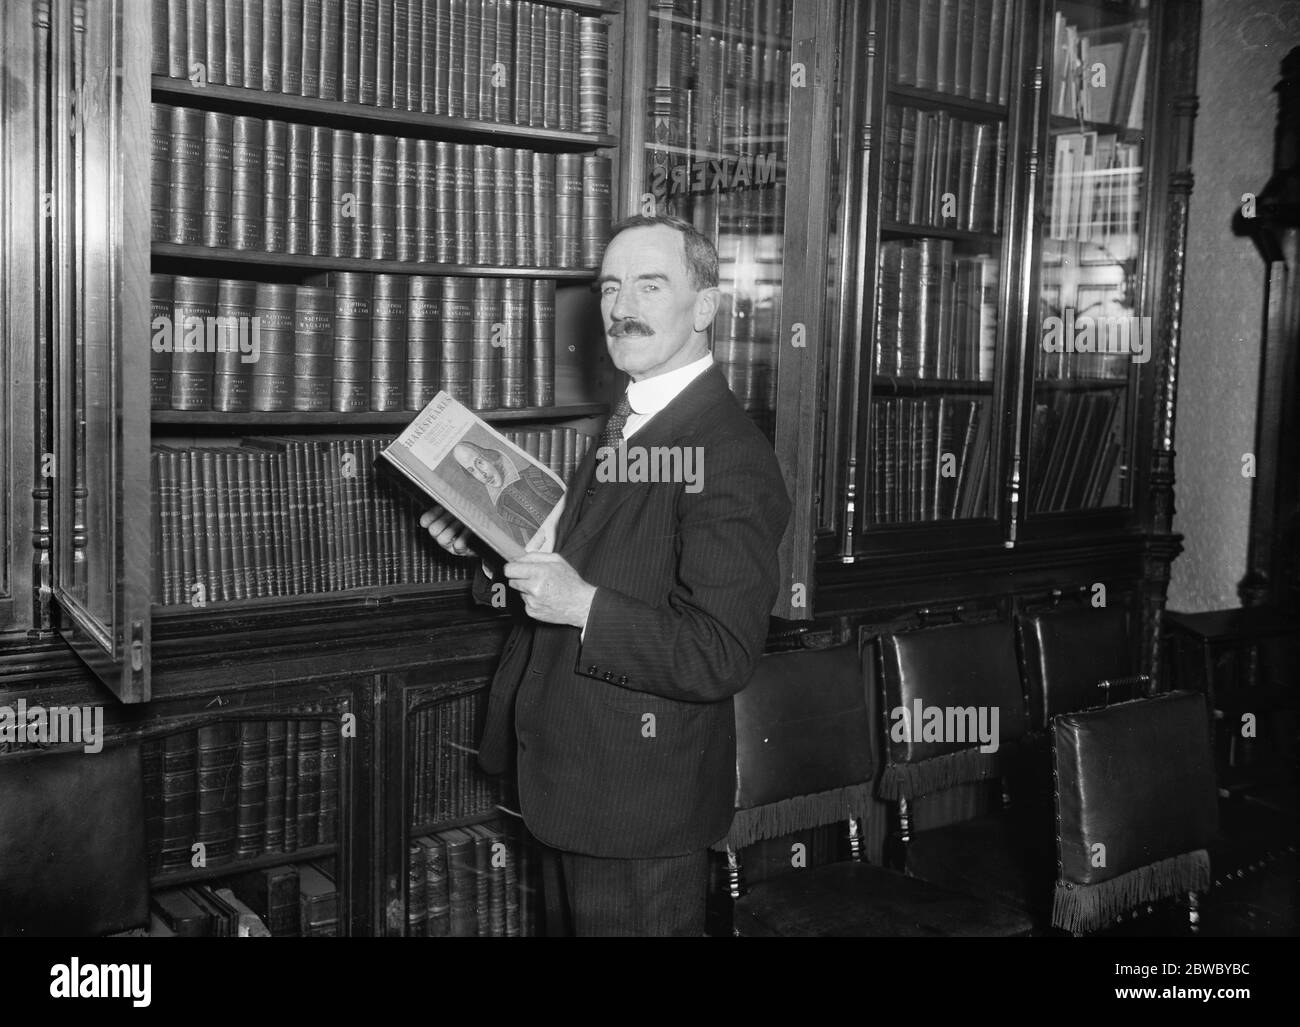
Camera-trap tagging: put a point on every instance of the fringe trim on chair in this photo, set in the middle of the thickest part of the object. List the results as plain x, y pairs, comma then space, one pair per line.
1082, 908
797, 814
909, 780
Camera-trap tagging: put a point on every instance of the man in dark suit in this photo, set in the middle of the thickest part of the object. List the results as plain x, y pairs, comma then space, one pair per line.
614, 696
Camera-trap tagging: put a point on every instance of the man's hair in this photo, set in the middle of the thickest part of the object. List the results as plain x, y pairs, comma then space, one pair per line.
701, 257
492, 456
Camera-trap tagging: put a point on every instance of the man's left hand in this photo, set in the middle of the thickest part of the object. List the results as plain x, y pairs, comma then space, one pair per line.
553, 591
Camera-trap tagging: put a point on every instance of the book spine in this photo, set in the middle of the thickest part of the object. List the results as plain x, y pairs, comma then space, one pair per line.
368, 62
158, 55
384, 54
537, 66
388, 342
457, 337
273, 834
516, 308
521, 63
503, 206
450, 79
350, 51
160, 122
251, 41
194, 314
353, 311
406, 215
313, 347
272, 377
162, 337
331, 52
343, 204
597, 207
363, 155
240, 522
525, 242
215, 48
248, 214
250, 820
272, 37
275, 187
551, 57
470, 58
541, 343
383, 199
291, 55
487, 328
308, 772
310, 53
185, 177
291, 786
464, 215
570, 60
401, 33
414, 55
568, 209
424, 314
238, 344
196, 38
502, 73
321, 189
298, 208
486, 59
544, 210
329, 778
593, 75
434, 191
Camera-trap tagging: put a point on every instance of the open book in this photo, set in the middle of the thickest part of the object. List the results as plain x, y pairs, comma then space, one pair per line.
453, 457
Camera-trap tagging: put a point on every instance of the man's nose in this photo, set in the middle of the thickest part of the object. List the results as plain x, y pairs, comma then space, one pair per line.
624, 305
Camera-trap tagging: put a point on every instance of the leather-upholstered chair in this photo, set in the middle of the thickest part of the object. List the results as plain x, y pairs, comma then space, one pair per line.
1135, 808
804, 760
1003, 855
1074, 656
72, 847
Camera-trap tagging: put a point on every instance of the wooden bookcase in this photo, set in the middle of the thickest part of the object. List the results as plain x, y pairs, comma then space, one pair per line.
791, 138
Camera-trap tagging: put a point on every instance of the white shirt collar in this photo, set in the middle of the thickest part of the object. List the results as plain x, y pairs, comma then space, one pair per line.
650, 395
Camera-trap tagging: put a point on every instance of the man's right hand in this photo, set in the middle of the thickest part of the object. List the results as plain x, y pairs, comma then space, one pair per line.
448, 532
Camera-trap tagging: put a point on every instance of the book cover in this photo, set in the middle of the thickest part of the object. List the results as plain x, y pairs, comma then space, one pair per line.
504, 496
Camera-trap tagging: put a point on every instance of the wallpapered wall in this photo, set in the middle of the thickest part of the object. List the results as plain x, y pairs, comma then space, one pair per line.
1242, 46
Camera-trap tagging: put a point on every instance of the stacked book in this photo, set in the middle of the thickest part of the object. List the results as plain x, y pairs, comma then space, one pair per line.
291, 901
234, 181
960, 47
468, 882
929, 459
351, 342
942, 171
936, 312
283, 516
1075, 446
504, 61
446, 781
1099, 74
238, 789
1095, 191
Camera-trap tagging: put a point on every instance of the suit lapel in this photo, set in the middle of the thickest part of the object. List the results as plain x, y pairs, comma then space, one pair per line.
582, 522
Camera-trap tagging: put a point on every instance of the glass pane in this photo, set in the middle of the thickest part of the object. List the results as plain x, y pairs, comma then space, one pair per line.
933, 427
1092, 337
89, 537
717, 110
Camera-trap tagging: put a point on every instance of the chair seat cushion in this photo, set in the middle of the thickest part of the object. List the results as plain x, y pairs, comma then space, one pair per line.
993, 857
859, 900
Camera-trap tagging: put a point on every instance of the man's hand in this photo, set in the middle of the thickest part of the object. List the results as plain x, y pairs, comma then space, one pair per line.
448, 532
553, 591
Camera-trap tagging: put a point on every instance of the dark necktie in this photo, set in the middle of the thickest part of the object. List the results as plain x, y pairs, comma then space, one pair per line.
612, 435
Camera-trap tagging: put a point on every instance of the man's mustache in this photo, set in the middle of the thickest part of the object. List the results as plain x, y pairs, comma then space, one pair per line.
629, 326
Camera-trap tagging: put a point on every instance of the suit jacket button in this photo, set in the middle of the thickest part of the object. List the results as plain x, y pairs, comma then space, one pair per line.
591, 490
591, 669
622, 680
609, 675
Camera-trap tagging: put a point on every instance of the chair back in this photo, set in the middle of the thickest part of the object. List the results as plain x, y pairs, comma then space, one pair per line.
1136, 806
951, 700
1067, 652
72, 853
803, 744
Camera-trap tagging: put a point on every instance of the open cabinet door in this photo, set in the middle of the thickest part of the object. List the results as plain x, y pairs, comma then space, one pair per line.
100, 209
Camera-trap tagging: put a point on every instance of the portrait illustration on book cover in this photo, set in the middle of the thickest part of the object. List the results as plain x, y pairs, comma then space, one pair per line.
520, 498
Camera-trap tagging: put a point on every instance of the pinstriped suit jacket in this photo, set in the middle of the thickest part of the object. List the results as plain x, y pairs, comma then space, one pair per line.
684, 585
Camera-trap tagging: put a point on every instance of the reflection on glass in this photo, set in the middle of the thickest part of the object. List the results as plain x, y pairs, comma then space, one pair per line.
717, 109
1092, 334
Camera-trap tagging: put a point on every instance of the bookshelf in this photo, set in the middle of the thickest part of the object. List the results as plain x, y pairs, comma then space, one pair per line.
781, 128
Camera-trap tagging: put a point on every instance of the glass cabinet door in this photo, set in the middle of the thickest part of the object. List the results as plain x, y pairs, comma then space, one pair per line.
102, 538
933, 424
737, 135
1091, 338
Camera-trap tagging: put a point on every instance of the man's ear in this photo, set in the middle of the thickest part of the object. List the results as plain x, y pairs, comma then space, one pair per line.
706, 308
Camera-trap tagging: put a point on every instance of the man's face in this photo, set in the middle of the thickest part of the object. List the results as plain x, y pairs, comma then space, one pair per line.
479, 466
655, 318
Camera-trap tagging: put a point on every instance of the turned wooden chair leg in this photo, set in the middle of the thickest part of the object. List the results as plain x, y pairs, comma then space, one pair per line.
1193, 912
855, 840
